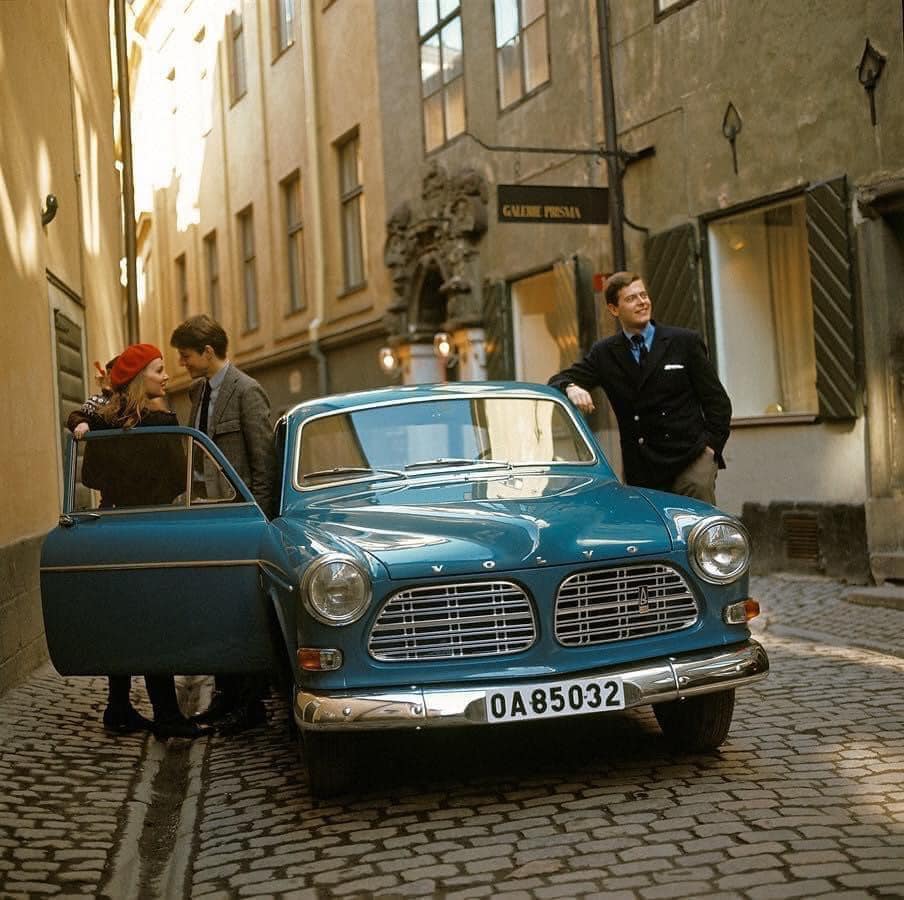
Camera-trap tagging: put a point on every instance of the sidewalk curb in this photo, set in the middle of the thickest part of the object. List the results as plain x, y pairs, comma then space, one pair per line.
819, 637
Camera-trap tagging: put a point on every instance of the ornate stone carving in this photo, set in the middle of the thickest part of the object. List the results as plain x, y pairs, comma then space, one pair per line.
439, 236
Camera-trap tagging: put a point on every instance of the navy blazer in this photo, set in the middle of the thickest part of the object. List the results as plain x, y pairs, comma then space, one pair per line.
667, 412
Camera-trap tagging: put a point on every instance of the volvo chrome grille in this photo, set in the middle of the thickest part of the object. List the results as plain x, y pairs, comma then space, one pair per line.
622, 603
453, 621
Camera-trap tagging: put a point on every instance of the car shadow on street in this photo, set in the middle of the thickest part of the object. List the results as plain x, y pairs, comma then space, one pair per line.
404, 764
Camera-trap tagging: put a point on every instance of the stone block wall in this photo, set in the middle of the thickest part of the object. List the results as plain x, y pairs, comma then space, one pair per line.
22, 644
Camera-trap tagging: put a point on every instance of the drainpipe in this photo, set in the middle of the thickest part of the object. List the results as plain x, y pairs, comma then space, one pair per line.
613, 163
312, 134
128, 188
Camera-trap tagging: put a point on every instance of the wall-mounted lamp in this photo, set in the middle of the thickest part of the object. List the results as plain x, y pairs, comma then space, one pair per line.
388, 359
50, 210
444, 348
731, 128
869, 72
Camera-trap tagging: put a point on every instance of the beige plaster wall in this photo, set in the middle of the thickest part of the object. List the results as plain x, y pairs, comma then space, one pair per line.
56, 95
57, 101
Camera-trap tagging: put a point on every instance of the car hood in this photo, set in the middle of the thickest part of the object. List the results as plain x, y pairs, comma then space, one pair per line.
494, 524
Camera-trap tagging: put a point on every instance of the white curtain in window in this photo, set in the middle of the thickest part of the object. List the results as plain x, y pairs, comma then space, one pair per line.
792, 307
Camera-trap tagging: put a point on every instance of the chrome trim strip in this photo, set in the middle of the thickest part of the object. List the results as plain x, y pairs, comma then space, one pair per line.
173, 564
657, 681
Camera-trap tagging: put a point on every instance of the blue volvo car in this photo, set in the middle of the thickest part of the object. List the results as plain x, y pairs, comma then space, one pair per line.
455, 555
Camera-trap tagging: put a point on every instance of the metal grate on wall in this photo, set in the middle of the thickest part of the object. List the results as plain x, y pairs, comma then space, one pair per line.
800, 532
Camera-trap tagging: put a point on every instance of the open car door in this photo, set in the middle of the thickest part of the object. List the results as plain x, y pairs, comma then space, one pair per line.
154, 567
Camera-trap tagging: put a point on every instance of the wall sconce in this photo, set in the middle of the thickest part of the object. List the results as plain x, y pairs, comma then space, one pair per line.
50, 210
869, 72
388, 359
445, 349
731, 128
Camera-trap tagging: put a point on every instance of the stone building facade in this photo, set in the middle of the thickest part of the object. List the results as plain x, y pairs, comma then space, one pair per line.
762, 206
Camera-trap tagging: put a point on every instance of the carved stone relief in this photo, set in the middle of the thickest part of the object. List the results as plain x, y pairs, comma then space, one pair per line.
436, 240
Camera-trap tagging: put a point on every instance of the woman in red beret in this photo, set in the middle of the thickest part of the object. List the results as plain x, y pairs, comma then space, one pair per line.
150, 473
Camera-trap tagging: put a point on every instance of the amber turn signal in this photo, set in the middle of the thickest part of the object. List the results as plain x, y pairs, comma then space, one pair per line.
744, 611
319, 659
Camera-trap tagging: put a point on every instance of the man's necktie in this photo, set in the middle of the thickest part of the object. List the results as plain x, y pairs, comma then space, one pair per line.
205, 407
640, 345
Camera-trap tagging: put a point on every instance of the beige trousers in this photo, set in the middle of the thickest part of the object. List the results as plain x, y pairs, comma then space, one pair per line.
698, 480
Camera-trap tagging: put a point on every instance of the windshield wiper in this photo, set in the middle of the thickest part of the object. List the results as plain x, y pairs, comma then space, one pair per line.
452, 461
351, 470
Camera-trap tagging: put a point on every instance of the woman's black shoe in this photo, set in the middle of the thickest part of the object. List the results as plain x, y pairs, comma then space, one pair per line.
125, 721
180, 728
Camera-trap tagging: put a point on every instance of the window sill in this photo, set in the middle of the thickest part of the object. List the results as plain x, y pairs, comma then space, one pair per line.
525, 98
352, 289
778, 419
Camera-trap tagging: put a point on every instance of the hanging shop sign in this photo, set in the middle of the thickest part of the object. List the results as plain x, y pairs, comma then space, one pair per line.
553, 204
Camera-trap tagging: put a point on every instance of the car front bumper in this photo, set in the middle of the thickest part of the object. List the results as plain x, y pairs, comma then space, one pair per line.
654, 681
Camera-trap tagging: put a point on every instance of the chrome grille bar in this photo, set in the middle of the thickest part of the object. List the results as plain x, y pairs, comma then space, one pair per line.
623, 603
453, 621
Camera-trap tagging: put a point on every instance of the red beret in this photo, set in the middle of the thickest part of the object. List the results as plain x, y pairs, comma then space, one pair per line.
131, 362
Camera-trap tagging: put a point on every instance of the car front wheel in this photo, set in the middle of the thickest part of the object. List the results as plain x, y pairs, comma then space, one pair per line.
697, 723
331, 762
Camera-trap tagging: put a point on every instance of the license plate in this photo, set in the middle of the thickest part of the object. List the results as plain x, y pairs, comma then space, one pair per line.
545, 701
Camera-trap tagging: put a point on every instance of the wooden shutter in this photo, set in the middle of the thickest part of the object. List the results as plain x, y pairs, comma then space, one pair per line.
834, 300
70, 365
497, 319
672, 278
588, 327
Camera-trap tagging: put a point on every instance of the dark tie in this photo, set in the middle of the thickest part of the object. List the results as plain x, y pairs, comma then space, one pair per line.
205, 407
640, 345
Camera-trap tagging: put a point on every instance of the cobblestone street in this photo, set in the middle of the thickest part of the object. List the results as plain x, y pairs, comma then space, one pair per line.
805, 798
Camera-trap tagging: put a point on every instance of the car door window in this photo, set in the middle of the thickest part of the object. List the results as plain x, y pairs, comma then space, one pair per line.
139, 468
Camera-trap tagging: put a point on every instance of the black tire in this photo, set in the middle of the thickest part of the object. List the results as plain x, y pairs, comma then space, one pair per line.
331, 761
697, 723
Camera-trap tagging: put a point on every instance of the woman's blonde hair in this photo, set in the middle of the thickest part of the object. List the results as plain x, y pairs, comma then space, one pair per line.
128, 403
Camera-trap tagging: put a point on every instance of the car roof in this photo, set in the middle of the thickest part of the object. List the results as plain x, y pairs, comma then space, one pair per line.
443, 391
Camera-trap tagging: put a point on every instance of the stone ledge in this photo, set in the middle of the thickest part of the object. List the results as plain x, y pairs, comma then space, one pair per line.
888, 596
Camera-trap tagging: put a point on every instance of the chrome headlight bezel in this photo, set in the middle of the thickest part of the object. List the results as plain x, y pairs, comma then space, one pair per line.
309, 586
694, 548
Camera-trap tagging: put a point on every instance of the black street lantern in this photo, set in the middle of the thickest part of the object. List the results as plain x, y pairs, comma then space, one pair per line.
869, 71
731, 128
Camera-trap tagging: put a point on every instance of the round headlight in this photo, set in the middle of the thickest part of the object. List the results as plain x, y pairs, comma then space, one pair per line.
336, 590
719, 549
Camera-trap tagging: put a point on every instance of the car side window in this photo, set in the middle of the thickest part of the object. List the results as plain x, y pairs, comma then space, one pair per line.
141, 469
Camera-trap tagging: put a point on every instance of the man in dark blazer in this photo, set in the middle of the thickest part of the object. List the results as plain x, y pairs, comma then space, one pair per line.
673, 414
234, 410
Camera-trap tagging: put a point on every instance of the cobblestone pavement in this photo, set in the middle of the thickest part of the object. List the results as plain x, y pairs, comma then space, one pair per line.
806, 798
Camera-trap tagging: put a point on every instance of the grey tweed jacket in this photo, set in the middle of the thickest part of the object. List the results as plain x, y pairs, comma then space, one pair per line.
239, 424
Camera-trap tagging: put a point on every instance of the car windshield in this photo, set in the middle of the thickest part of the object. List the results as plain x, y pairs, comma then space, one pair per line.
390, 440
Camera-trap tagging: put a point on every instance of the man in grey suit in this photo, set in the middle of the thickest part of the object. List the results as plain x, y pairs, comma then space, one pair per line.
233, 409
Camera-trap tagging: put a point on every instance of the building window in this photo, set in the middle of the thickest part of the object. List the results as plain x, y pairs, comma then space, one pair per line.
522, 48
237, 70
351, 194
249, 275
291, 189
212, 266
763, 310
182, 286
442, 70
283, 25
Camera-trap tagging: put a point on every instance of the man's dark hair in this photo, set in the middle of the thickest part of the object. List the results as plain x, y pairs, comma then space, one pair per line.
615, 282
199, 331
